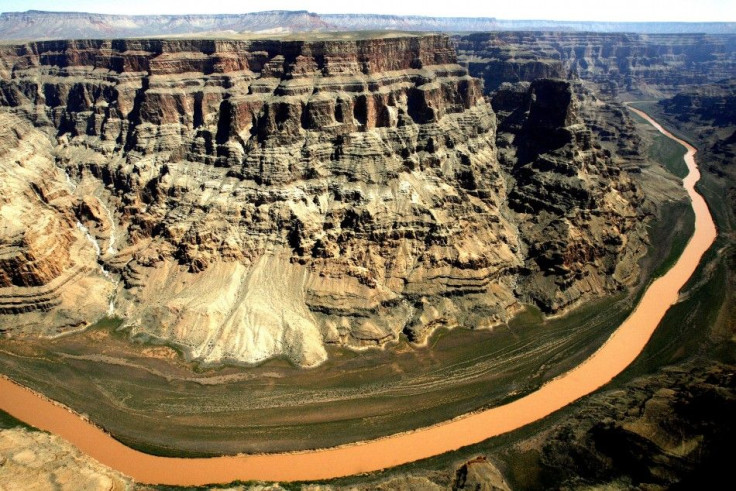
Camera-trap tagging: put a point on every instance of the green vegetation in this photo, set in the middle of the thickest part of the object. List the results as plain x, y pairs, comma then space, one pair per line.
676, 222
675, 227
681, 333
8, 421
663, 150
670, 154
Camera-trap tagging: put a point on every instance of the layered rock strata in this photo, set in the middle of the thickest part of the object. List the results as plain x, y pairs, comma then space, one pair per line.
618, 62
251, 199
710, 112
50, 282
576, 211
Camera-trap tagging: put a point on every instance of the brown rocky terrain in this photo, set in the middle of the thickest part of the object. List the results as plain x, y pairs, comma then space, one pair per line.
670, 428
542, 140
665, 430
250, 199
149, 207
645, 64
50, 282
37, 460
710, 111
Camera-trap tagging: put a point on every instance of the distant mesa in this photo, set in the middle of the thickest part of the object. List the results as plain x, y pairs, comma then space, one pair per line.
36, 25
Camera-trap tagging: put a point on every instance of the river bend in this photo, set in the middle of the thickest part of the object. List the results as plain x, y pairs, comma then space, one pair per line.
612, 358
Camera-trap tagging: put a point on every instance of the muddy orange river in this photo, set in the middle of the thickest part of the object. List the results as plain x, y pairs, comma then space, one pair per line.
617, 353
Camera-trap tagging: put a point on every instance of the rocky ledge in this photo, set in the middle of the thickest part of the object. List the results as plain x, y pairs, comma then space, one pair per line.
250, 199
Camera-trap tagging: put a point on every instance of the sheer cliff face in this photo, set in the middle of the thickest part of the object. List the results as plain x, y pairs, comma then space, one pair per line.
579, 215
250, 199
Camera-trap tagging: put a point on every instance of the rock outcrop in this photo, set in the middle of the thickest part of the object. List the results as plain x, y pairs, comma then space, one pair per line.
713, 103
479, 473
251, 199
509, 57
43, 461
708, 111
576, 211
669, 429
50, 282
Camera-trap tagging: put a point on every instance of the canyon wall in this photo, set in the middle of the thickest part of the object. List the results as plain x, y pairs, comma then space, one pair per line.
706, 115
711, 104
618, 62
250, 199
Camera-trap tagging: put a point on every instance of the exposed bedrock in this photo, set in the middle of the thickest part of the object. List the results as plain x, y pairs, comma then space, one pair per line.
50, 462
714, 102
579, 216
251, 199
647, 63
707, 114
50, 281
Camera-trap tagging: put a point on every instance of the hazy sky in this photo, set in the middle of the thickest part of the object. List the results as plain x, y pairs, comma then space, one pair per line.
606, 10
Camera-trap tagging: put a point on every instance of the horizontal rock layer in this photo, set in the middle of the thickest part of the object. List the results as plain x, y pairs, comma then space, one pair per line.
253, 199
48, 270
616, 61
714, 104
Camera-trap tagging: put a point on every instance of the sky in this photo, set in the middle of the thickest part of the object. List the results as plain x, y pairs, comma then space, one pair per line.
608, 10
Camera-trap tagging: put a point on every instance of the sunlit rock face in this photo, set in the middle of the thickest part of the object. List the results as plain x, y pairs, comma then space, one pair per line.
251, 199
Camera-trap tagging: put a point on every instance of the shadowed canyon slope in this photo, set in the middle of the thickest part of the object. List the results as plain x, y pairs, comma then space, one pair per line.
250, 199
708, 111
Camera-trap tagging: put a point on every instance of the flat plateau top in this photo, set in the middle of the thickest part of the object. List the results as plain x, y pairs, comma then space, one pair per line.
271, 36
